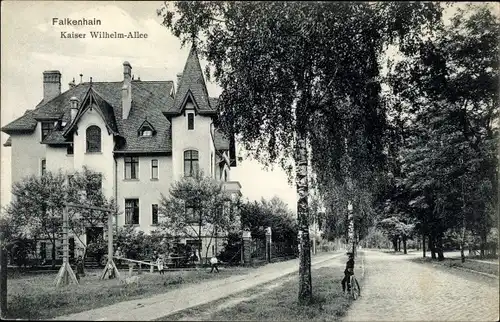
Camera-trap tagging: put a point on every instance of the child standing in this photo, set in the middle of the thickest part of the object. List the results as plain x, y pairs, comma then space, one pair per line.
159, 263
213, 263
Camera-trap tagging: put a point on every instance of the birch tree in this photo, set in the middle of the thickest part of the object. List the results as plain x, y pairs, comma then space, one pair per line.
284, 67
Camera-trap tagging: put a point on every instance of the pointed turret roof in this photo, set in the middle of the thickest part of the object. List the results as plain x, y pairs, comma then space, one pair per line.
192, 87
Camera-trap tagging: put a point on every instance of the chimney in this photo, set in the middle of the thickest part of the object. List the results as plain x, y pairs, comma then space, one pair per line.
179, 76
126, 90
72, 83
74, 107
51, 84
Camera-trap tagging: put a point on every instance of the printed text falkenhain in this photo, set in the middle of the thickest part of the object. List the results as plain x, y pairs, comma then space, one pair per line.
76, 22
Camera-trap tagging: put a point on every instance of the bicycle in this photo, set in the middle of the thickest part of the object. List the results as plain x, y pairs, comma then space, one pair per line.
354, 289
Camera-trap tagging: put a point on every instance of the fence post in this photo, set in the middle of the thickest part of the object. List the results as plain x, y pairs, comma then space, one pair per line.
3, 276
268, 244
247, 247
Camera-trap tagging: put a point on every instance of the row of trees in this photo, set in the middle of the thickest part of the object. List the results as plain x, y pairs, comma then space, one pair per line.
443, 137
298, 75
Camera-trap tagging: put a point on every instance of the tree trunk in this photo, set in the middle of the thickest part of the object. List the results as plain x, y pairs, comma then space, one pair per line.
404, 244
431, 247
423, 244
440, 249
200, 248
301, 162
395, 243
462, 244
53, 253
483, 244
462, 241
399, 244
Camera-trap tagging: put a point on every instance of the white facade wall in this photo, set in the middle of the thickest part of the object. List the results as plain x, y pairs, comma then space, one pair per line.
27, 153
59, 160
147, 190
102, 162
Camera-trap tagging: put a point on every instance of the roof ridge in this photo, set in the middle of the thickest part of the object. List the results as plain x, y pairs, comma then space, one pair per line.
52, 99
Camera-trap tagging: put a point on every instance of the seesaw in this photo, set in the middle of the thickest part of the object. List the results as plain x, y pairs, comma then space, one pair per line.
136, 261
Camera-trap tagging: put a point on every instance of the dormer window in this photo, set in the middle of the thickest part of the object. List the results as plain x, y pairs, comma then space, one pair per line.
146, 129
146, 132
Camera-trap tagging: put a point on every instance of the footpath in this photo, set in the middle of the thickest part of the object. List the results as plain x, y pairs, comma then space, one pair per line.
193, 295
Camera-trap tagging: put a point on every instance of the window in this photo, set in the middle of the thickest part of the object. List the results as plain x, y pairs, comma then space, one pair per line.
154, 169
190, 215
43, 168
46, 128
190, 121
146, 131
154, 213
131, 167
69, 149
132, 211
93, 139
191, 163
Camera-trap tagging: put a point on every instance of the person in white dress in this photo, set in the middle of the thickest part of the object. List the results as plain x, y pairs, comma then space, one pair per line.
159, 263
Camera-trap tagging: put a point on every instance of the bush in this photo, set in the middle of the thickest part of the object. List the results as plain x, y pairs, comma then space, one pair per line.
97, 249
231, 251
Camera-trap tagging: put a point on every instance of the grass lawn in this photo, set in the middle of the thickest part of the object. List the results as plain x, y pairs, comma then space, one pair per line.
489, 268
278, 303
36, 297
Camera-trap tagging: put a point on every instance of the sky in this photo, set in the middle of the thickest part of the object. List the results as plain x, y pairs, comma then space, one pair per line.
31, 44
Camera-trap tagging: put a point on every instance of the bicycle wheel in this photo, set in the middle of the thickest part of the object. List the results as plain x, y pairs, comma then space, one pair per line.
354, 288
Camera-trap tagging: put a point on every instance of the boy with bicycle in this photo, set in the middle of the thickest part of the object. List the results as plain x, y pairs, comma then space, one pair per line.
348, 272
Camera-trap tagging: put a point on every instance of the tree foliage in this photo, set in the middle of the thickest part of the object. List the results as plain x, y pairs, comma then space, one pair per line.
444, 109
37, 207
257, 216
36, 210
197, 207
85, 188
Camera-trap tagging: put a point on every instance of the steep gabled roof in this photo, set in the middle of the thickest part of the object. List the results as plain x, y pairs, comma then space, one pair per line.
192, 86
25, 123
93, 99
149, 99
